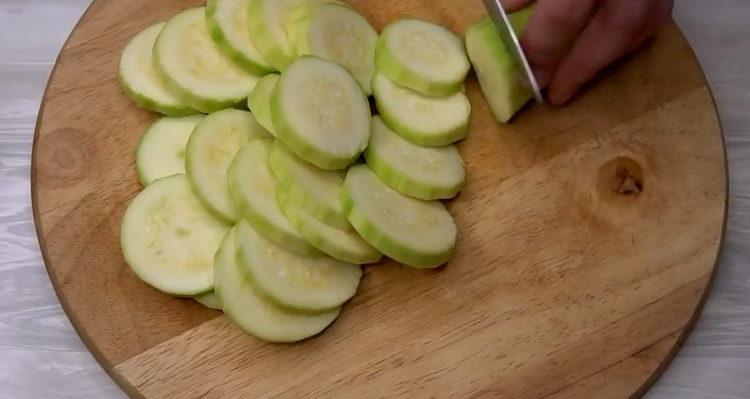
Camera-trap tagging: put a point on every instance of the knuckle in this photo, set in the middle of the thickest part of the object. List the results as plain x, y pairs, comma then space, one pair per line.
637, 20
663, 13
640, 16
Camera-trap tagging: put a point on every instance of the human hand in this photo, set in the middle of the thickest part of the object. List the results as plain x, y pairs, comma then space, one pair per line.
568, 42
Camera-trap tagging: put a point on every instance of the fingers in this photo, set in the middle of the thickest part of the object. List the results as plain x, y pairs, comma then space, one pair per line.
617, 28
515, 5
552, 32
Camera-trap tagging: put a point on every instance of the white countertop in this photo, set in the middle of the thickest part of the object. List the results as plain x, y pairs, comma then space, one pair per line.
41, 355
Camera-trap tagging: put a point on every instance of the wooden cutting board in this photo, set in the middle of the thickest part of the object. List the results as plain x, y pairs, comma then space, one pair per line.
561, 287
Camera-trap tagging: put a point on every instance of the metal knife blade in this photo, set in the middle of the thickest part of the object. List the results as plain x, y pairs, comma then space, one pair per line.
510, 40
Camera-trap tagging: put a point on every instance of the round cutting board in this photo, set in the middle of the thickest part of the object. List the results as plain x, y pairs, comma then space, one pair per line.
588, 238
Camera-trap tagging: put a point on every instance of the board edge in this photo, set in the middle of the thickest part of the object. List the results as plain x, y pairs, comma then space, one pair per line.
690, 325
91, 346
133, 392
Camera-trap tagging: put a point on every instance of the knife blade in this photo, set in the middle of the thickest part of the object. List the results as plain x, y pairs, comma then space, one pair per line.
510, 40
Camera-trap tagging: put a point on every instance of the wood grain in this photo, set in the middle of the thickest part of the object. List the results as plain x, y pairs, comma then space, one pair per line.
558, 280
39, 350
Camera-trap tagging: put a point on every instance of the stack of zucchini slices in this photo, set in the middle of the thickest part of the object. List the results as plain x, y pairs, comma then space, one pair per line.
268, 182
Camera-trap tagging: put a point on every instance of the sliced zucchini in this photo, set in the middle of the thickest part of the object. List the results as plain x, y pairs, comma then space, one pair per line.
422, 56
209, 299
303, 9
228, 25
251, 312
169, 240
210, 151
259, 101
342, 244
161, 151
296, 282
192, 66
300, 12
416, 233
317, 191
425, 121
267, 24
139, 80
320, 112
337, 33
427, 173
495, 68
253, 189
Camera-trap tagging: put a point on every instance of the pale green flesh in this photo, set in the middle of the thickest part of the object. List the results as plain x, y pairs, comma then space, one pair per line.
259, 101
169, 240
423, 120
338, 33
422, 56
210, 151
427, 173
414, 232
267, 24
161, 151
315, 190
209, 300
496, 71
139, 79
342, 244
191, 64
294, 29
254, 314
320, 112
297, 282
228, 24
253, 189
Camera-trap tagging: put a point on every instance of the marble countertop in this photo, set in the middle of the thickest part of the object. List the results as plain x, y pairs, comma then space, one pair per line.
41, 355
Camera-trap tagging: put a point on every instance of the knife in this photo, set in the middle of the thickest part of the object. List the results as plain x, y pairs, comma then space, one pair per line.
511, 42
